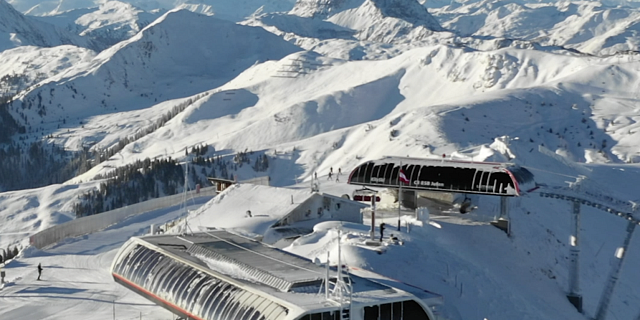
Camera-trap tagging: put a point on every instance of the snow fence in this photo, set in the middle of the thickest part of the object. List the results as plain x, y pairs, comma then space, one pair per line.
97, 222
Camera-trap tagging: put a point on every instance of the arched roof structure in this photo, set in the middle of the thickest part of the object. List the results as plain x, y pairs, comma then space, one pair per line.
490, 178
223, 276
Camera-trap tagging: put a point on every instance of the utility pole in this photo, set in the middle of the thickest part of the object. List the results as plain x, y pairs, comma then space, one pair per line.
400, 182
373, 217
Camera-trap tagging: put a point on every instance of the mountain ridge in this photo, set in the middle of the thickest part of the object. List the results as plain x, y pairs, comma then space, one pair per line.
137, 68
19, 30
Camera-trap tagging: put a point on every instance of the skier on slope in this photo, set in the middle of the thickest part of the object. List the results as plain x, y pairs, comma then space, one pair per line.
39, 270
382, 230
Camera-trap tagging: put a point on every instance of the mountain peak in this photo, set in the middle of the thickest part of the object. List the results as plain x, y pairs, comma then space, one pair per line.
17, 30
322, 8
408, 10
357, 11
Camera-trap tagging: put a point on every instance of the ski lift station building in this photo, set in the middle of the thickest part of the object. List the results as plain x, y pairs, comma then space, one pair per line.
223, 276
486, 178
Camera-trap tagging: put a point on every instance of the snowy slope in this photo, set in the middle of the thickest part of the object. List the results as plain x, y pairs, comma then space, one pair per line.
76, 282
552, 99
180, 54
27, 212
19, 30
35, 64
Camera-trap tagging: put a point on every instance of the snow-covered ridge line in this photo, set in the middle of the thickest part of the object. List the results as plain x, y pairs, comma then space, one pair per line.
19, 30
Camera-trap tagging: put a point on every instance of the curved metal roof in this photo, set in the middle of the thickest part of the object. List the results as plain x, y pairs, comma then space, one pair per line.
490, 178
222, 276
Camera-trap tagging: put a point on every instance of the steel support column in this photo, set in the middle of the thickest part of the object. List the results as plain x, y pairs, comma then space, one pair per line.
605, 299
503, 222
574, 295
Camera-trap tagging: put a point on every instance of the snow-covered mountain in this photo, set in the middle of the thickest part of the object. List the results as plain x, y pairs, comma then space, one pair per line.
373, 20
323, 8
106, 25
180, 54
19, 30
29, 65
422, 103
587, 26
233, 10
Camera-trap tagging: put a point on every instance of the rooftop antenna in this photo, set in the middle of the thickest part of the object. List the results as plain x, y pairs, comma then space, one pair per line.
326, 279
342, 290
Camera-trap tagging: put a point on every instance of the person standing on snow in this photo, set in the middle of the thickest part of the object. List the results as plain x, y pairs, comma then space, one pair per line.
39, 270
381, 231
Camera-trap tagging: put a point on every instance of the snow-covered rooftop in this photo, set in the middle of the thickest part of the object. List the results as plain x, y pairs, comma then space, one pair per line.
267, 206
229, 209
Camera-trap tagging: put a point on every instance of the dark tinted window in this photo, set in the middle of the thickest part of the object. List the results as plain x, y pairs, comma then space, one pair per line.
406, 310
501, 181
484, 180
146, 269
212, 300
412, 174
195, 289
413, 311
182, 290
385, 311
216, 298
376, 172
387, 173
224, 298
140, 265
202, 296
371, 313
232, 307
396, 311
122, 264
367, 172
160, 272
169, 278
135, 259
